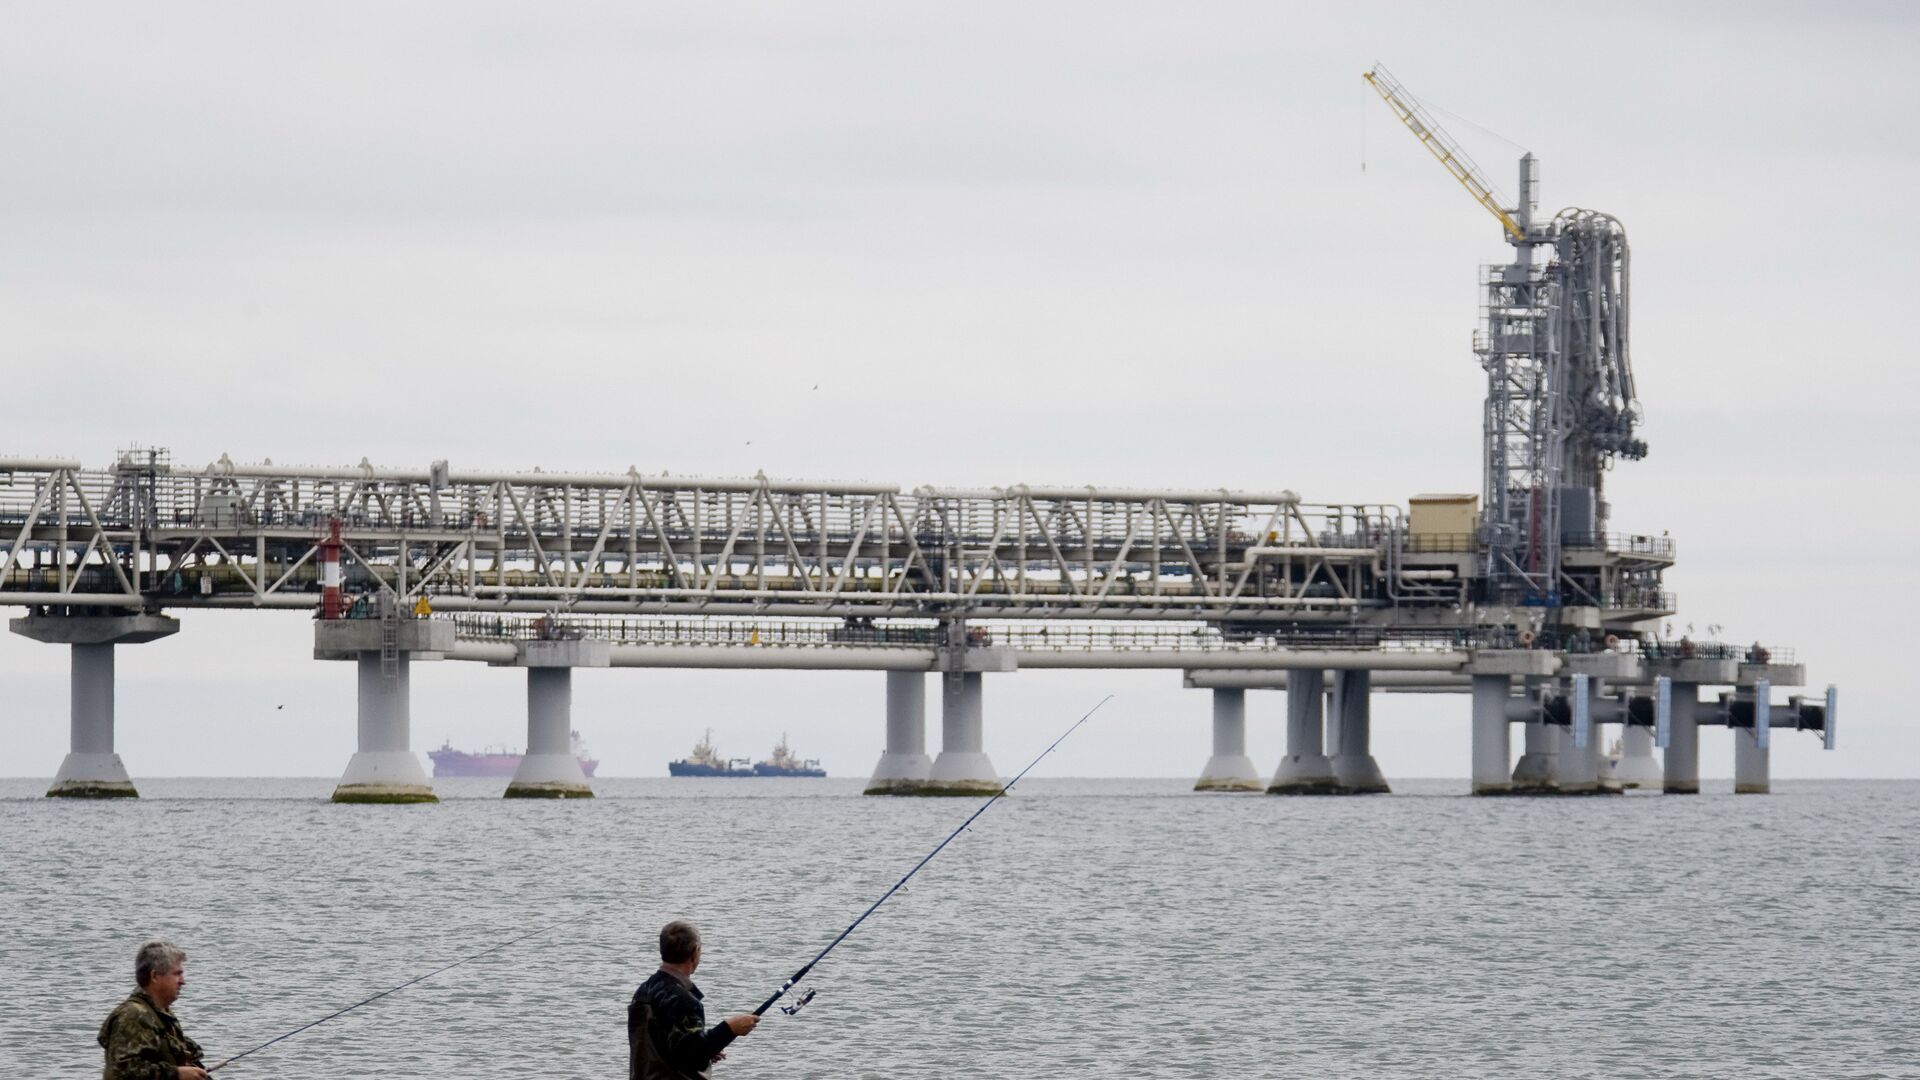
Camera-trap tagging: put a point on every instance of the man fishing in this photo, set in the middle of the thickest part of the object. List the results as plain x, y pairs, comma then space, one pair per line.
667, 1033
141, 1038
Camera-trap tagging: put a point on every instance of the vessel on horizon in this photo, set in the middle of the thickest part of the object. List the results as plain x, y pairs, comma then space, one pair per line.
498, 761
783, 763
706, 761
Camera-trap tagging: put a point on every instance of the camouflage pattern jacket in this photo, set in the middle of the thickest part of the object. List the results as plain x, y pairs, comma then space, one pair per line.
144, 1042
667, 1033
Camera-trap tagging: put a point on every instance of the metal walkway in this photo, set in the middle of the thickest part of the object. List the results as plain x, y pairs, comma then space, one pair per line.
144, 535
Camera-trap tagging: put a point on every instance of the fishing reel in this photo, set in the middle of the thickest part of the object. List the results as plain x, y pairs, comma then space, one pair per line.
799, 1004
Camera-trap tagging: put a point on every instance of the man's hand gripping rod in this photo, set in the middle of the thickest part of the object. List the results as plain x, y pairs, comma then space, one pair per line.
802, 973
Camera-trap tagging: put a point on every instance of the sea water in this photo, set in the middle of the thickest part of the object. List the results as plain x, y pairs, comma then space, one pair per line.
1082, 928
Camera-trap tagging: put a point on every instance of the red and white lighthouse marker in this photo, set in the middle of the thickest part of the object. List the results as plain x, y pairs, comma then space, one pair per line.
333, 605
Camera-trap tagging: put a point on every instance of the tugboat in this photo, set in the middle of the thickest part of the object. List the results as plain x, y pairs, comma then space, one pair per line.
706, 761
497, 761
783, 763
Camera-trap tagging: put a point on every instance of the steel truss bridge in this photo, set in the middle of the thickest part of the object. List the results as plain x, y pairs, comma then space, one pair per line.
143, 535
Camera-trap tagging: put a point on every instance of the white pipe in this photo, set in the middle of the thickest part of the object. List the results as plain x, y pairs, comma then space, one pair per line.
661, 482
37, 465
9, 596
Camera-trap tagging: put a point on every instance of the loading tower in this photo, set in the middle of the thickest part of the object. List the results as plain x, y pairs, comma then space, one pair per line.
1560, 406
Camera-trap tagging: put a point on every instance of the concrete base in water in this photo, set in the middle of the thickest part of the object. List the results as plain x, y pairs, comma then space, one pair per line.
549, 776
959, 772
1636, 767
384, 776
936, 788
1229, 772
1359, 774
92, 776
554, 791
899, 773
1305, 774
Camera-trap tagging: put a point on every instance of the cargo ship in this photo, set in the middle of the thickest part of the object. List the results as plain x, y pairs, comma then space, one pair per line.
783, 763
706, 761
496, 761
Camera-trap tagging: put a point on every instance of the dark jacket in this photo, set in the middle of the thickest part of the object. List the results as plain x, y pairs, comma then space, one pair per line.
667, 1033
144, 1042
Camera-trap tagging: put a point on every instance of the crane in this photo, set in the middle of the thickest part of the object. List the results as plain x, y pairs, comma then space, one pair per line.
1443, 147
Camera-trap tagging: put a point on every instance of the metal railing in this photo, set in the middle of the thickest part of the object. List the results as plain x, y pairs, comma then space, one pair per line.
1659, 547
1688, 649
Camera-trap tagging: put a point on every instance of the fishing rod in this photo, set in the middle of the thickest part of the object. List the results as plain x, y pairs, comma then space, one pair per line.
995, 797
392, 990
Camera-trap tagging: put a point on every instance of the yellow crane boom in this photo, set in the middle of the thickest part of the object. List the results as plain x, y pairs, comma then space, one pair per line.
1442, 146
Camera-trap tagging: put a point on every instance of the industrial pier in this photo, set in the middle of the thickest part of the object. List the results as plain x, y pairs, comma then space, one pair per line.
1523, 597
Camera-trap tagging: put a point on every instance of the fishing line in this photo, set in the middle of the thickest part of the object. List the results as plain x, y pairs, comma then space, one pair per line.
802, 973
391, 990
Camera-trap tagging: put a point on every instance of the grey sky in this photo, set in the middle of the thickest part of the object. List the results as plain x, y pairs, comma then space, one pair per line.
1010, 243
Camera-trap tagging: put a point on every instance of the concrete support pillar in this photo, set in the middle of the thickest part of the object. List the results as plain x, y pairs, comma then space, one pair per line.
1306, 770
1492, 737
962, 767
1578, 766
1353, 767
1682, 771
1229, 769
384, 769
91, 769
549, 769
904, 766
1751, 762
1537, 772
1637, 767
1581, 770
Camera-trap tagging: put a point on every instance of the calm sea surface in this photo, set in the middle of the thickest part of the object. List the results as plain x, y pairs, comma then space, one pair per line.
1084, 928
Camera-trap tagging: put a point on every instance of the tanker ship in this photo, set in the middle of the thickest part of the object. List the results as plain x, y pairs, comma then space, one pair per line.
496, 760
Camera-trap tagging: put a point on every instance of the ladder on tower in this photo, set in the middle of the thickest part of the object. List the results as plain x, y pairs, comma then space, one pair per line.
389, 636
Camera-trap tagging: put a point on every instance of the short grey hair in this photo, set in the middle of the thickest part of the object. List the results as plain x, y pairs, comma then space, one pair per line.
679, 940
157, 957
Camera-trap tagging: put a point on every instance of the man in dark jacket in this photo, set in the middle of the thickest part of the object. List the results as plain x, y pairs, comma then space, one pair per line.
141, 1038
667, 1033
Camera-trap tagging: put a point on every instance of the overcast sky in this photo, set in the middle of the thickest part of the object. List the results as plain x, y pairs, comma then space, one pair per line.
1067, 243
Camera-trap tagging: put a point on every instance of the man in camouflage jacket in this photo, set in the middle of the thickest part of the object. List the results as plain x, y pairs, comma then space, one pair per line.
141, 1038
667, 1033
